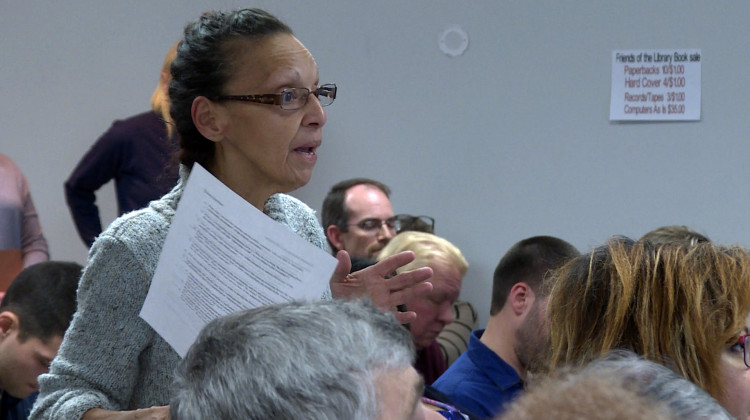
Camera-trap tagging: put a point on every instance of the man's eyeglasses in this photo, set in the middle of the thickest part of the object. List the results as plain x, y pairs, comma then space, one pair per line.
374, 224
290, 98
406, 222
742, 342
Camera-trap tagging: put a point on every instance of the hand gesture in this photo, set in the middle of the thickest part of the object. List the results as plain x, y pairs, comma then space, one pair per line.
381, 284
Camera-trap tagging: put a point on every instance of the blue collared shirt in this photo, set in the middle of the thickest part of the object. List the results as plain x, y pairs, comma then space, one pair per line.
480, 380
12, 408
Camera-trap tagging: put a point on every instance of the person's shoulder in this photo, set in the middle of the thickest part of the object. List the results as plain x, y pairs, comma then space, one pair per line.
456, 373
12, 175
134, 127
286, 200
285, 207
297, 216
18, 409
470, 398
141, 224
138, 119
463, 375
7, 162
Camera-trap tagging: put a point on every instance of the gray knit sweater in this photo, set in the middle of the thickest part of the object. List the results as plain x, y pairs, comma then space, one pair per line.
110, 358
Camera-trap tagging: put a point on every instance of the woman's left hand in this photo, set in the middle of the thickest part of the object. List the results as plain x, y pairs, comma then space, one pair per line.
379, 283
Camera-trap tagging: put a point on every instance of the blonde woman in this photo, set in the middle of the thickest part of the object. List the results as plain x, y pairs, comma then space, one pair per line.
682, 306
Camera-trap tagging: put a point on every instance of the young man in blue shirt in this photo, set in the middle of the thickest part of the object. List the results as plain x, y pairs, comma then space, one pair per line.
34, 314
492, 371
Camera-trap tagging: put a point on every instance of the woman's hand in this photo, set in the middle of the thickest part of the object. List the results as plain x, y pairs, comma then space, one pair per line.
152, 413
380, 283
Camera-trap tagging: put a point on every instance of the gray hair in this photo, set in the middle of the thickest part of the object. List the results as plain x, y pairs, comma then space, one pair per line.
619, 385
684, 399
316, 360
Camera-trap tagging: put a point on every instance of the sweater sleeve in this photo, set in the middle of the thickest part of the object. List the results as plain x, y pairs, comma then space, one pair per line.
98, 363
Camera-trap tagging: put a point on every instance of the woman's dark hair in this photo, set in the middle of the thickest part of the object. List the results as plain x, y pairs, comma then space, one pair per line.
202, 68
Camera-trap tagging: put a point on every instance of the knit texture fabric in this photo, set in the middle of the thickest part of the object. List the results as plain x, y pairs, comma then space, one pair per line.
110, 357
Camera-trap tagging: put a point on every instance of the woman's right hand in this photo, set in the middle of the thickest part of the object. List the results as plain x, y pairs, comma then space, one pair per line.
152, 413
380, 283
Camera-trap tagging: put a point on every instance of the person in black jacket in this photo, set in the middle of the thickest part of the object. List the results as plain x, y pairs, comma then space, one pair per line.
136, 152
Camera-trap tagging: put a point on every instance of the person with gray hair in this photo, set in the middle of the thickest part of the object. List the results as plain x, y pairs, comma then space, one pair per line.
684, 399
672, 234
619, 385
320, 360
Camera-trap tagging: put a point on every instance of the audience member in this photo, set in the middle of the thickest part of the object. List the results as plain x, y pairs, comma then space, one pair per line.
588, 394
34, 315
135, 152
674, 234
492, 371
434, 310
358, 218
686, 306
617, 386
318, 360
260, 144
21, 240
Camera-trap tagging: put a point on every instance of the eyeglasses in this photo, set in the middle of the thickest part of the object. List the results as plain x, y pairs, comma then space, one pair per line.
406, 222
742, 342
290, 98
374, 224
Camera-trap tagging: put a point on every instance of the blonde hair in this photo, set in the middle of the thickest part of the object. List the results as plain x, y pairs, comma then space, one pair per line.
160, 97
427, 248
669, 303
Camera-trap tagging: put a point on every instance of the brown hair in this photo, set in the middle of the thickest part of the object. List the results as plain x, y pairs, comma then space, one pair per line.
669, 303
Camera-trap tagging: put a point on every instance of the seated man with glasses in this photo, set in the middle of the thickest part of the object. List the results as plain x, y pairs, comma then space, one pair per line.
358, 217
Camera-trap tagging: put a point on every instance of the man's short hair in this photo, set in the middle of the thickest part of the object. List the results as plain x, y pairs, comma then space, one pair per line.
674, 235
294, 360
528, 261
334, 211
43, 297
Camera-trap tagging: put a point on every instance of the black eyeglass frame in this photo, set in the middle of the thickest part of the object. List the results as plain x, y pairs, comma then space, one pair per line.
743, 341
405, 222
324, 93
373, 224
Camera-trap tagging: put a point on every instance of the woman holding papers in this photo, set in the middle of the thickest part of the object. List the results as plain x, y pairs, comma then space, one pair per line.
248, 106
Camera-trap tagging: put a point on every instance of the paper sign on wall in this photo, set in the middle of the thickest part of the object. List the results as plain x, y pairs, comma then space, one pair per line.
661, 85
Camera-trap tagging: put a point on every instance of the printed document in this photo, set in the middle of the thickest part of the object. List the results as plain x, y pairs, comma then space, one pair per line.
223, 255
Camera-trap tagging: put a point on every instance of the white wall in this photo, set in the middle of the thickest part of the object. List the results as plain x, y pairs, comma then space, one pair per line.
509, 140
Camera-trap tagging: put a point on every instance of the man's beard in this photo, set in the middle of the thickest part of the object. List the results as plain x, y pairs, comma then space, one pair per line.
532, 340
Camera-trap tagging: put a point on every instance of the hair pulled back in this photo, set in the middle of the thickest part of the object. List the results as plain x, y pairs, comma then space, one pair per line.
203, 66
